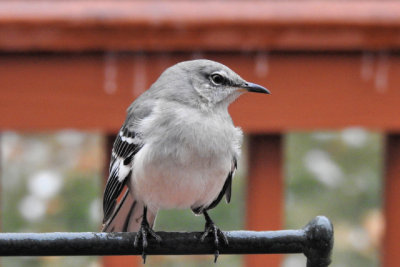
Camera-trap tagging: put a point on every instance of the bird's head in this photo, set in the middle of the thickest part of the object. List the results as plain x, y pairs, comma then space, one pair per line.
205, 83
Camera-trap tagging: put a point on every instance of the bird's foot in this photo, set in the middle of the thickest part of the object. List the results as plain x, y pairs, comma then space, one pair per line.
144, 231
217, 234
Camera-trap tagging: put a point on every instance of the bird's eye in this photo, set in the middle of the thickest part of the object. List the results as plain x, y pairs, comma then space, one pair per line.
217, 79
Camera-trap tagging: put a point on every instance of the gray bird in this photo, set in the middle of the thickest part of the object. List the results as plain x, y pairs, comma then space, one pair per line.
178, 148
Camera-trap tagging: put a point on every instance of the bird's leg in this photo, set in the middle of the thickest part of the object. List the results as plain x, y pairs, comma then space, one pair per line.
211, 228
143, 232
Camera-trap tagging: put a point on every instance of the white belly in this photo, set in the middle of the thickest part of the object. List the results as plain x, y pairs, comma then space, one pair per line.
184, 182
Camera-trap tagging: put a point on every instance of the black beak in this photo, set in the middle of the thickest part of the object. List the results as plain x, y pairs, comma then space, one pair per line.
252, 87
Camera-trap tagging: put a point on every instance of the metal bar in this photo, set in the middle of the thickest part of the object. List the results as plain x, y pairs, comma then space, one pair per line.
315, 241
319, 246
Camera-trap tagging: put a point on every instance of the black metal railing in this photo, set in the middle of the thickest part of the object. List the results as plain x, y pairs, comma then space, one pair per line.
315, 241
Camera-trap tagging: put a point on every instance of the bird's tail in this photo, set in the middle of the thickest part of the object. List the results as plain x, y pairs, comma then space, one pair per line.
127, 216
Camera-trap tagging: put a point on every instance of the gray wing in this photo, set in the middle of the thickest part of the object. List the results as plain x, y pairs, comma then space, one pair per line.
226, 191
126, 145
122, 216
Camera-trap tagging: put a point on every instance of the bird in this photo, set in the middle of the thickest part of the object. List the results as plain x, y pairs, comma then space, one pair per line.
177, 149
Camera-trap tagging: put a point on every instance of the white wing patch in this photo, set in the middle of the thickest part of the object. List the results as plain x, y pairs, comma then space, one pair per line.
123, 170
129, 140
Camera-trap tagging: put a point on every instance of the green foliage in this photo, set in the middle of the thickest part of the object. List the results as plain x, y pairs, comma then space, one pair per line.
347, 201
70, 209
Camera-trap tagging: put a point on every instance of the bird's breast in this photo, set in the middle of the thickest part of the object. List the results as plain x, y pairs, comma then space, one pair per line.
169, 182
185, 159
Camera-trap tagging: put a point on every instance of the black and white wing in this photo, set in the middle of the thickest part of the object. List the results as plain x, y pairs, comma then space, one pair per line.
126, 145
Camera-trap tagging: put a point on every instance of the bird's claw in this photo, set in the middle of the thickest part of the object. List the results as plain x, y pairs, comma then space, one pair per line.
144, 231
211, 228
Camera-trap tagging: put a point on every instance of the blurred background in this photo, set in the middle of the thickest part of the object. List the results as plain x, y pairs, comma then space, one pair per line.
326, 142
